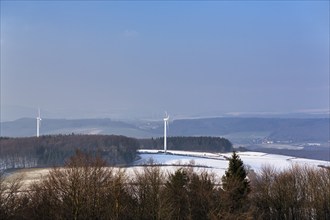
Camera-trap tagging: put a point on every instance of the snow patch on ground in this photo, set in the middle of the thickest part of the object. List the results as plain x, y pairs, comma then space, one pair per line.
218, 163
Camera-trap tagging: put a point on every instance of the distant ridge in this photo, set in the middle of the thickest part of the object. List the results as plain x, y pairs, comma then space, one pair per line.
25, 127
238, 130
278, 129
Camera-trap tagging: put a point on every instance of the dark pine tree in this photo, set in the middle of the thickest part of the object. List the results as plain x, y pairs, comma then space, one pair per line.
236, 186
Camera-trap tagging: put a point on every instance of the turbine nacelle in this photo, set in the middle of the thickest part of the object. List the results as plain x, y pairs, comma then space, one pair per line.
167, 117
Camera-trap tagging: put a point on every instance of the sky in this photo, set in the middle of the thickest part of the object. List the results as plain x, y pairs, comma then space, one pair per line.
89, 59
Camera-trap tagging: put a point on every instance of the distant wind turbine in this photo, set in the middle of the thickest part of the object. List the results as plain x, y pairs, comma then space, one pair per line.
167, 117
38, 122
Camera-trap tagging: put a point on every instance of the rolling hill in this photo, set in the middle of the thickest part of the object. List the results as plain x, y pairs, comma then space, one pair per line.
238, 130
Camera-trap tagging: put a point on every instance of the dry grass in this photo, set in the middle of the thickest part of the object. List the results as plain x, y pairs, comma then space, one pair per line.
28, 175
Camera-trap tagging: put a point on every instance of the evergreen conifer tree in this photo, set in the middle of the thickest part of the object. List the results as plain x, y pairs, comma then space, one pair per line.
235, 185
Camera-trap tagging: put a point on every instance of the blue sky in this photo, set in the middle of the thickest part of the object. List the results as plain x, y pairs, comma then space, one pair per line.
133, 59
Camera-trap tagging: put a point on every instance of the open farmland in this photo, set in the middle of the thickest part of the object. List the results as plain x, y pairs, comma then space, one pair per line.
216, 163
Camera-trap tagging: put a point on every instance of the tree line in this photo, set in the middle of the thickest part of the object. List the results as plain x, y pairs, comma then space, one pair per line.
201, 143
86, 188
54, 150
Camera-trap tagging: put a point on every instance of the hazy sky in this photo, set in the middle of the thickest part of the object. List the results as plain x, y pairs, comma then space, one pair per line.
108, 58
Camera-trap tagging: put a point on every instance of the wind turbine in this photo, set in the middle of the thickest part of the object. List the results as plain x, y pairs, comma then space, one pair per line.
167, 117
38, 122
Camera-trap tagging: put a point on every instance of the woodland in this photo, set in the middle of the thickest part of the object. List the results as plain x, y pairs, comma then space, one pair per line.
87, 188
54, 150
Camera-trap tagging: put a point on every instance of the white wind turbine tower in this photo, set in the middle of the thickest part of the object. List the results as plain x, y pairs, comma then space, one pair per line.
167, 117
38, 122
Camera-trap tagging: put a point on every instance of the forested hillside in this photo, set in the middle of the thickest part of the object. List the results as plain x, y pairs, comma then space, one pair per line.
54, 150
210, 144
238, 130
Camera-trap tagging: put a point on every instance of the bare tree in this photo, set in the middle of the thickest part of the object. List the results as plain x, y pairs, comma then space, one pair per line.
146, 187
9, 198
84, 189
300, 192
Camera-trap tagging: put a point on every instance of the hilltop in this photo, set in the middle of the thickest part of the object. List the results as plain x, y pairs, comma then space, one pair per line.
238, 130
300, 137
54, 150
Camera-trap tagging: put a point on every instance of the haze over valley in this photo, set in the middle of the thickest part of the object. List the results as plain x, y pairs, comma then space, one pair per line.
307, 138
164, 110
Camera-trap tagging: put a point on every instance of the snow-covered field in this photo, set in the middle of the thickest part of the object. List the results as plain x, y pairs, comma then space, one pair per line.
218, 163
211, 162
